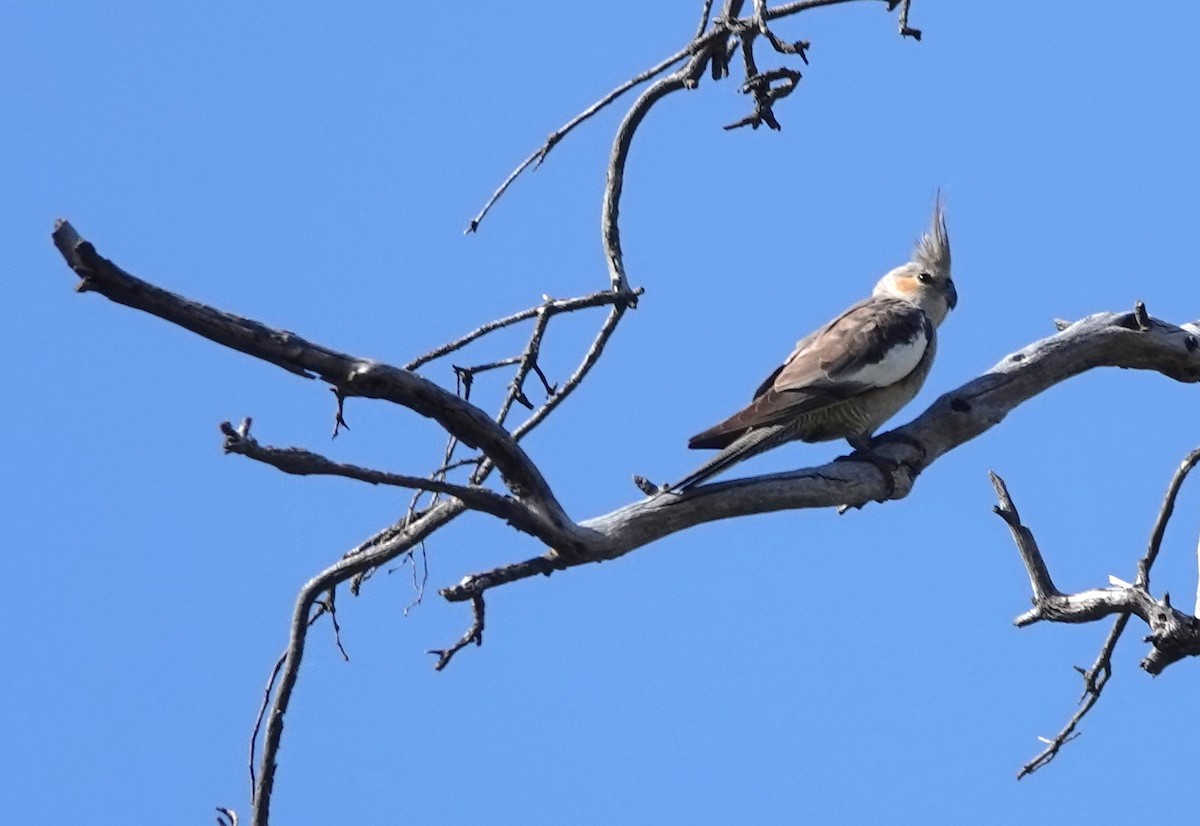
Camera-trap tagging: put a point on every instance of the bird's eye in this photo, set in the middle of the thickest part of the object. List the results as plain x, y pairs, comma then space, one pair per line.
925, 278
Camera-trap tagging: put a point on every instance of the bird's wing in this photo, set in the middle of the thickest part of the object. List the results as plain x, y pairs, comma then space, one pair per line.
875, 343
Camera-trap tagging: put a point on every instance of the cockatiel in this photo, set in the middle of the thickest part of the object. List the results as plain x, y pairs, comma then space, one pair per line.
847, 378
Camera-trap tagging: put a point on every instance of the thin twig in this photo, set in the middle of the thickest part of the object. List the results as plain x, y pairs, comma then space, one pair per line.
474, 635
262, 709
1196, 609
799, 48
525, 362
330, 605
557, 135
467, 372
704, 14
1164, 516
610, 229
574, 380
418, 583
301, 462
550, 306
432, 520
905, 29
1094, 680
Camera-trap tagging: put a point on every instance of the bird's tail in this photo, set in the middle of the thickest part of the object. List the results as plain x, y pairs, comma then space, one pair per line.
745, 446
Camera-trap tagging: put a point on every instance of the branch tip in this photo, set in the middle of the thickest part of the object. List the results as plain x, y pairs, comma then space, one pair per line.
474, 635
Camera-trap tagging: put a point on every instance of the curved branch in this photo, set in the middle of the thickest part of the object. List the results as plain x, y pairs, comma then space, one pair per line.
685, 77
350, 375
549, 307
1173, 634
702, 47
300, 462
538, 155
346, 568
1164, 516
1102, 340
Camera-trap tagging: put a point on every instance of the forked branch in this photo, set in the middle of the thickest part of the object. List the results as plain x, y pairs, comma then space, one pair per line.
712, 46
349, 375
1105, 339
1173, 634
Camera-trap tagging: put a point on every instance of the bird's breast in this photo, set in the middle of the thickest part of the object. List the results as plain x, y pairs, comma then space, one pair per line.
864, 413
898, 359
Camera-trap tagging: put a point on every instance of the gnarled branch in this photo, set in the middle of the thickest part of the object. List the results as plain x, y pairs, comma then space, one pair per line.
1173, 633
350, 375
1102, 340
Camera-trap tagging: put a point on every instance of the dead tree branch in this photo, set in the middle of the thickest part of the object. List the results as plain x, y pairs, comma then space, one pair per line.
398, 541
549, 307
1102, 340
352, 376
1173, 634
713, 42
474, 634
1130, 340
300, 462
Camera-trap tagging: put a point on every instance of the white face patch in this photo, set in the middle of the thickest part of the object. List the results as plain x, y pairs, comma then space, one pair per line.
900, 360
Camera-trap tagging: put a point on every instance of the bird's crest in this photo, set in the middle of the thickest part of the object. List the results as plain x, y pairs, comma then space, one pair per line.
933, 250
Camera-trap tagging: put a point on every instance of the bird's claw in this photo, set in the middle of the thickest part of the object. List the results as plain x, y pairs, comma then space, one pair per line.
894, 437
887, 469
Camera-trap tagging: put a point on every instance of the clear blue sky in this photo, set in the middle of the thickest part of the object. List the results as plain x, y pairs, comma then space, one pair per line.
313, 165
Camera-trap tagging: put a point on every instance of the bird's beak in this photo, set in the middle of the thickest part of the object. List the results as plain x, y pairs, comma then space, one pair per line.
951, 295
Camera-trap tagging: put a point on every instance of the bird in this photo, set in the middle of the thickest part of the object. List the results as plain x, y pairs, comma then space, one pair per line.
848, 377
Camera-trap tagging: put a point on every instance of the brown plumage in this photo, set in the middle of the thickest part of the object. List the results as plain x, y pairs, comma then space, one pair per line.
847, 378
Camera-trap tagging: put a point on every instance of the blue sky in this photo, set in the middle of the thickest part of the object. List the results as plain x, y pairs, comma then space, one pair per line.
313, 165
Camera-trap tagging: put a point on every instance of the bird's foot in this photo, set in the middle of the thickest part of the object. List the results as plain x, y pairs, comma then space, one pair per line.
886, 467
865, 452
894, 437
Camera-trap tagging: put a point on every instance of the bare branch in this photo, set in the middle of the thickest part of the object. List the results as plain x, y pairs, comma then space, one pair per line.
549, 307
266, 700
1094, 680
330, 605
797, 6
1196, 610
704, 15
352, 376
1105, 339
539, 155
1174, 635
1039, 577
474, 635
525, 362
687, 76
905, 30
703, 47
1164, 515
300, 462
378, 553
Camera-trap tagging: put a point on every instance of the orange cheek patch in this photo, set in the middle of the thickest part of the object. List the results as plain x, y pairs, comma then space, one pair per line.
906, 285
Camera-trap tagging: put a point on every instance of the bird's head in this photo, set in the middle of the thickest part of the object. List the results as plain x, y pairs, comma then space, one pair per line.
925, 281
